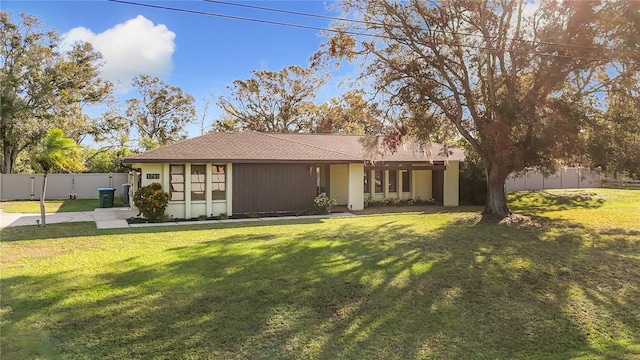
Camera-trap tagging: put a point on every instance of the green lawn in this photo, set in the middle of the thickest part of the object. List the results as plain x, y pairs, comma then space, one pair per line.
436, 284
52, 206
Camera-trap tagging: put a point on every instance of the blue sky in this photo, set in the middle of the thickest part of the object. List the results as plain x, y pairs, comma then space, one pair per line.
201, 54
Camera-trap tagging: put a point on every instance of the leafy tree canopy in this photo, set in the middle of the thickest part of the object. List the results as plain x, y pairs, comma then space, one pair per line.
272, 101
42, 86
106, 160
161, 113
350, 113
55, 152
519, 87
613, 142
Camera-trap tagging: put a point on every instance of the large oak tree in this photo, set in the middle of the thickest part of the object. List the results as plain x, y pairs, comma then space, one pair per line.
349, 113
42, 86
160, 113
518, 86
272, 101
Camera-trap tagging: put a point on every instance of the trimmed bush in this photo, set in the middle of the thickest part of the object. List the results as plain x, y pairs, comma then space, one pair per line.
322, 204
152, 201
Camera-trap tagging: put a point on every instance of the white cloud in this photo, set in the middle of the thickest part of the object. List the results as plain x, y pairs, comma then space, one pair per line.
531, 7
134, 47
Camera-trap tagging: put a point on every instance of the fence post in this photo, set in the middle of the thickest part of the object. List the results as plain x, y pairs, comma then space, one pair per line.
33, 186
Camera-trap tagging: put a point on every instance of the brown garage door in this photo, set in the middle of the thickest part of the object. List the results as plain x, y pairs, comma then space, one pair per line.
259, 188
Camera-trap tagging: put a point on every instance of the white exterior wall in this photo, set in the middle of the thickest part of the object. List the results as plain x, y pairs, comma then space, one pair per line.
339, 183
356, 187
154, 169
421, 184
451, 184
176, 209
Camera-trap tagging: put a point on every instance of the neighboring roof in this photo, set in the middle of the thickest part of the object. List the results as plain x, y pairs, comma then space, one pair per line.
255, 147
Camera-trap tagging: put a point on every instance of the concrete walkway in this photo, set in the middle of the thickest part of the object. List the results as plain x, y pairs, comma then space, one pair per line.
105, 218
113, 218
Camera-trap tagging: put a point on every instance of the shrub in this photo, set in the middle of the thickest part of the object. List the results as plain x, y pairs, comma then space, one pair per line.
473, 181
473, 184
151, 201
368, 201
322, 204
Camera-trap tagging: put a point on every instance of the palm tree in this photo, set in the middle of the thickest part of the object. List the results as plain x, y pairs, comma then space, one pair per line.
56, 152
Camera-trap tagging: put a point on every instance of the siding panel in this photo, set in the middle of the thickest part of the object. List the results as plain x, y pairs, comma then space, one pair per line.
272, 187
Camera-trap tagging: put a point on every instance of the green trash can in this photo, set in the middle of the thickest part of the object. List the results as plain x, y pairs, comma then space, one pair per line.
106, 197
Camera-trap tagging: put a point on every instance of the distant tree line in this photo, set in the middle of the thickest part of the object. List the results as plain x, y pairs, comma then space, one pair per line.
557, 87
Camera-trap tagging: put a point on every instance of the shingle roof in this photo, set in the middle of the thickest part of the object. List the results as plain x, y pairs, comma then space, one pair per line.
249, 146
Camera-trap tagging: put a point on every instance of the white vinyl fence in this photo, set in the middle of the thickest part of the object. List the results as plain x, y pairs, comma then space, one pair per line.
59, 186
565, 178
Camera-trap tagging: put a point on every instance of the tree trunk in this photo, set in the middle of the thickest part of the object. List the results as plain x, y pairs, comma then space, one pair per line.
496, 204
9, 158
43, 219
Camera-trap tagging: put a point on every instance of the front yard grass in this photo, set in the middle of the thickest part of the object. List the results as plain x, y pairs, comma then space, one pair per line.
52, 206
390, 286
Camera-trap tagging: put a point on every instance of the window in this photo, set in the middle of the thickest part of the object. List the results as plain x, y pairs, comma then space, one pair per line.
378, 178
393, 181
406, 181
176, 173
218, 182
367, 189
198, 182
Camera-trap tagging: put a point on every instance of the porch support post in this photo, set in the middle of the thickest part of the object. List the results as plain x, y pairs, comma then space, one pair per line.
385, 183
229, 188
187, 190
413, 184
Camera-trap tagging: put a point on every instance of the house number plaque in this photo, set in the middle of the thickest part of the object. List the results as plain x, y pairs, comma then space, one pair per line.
153, 176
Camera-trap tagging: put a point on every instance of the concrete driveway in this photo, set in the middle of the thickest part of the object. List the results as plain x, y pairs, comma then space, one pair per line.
105, 218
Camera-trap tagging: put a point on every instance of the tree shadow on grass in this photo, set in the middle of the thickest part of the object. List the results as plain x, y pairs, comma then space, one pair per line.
391, 289
77, 229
